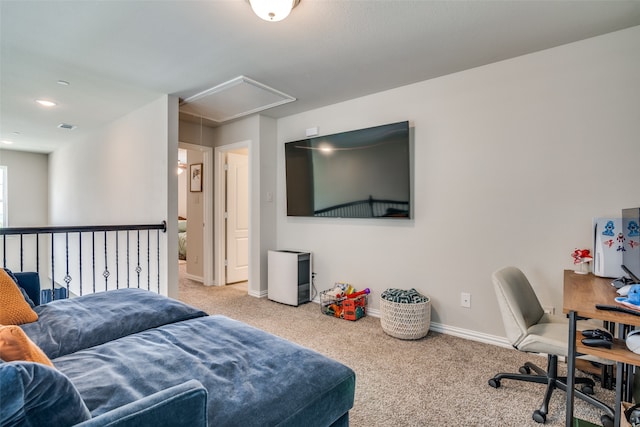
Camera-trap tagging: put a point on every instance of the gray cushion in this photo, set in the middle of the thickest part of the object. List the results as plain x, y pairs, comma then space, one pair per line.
68, 325
33, 394
253, 378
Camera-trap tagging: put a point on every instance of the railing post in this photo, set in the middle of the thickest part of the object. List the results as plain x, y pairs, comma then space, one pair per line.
93, 259
80, 260
128, 265
117, 258
67, 277
106, 272
148, 259
158, 249
138, 269
38, 253
53, 265
21, 253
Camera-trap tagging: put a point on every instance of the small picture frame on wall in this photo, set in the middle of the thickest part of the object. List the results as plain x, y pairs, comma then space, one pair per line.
195, 176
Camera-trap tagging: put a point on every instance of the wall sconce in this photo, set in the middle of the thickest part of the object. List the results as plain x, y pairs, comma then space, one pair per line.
273, 10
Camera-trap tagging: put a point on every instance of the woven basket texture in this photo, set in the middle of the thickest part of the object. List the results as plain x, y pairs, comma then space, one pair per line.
405, 321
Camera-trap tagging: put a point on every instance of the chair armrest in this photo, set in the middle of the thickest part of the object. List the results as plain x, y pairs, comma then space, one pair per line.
181, 405
30, 282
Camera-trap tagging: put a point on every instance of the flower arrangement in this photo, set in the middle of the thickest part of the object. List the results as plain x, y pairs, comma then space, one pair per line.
582, 257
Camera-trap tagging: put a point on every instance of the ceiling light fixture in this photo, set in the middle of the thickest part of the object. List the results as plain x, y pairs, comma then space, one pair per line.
181, 167
46, 103
7, 142
273, 10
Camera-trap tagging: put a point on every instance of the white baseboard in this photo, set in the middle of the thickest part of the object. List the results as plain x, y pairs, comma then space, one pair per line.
471, 335
194, 277
260, 294
445, 329
460, 332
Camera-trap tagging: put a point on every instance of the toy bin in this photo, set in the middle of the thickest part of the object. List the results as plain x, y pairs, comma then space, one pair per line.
344, 307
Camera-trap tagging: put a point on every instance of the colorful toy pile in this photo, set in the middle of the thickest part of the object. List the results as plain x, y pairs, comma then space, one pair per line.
344, 302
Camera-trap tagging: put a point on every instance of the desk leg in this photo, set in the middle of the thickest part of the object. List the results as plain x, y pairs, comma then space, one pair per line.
571, 367
619, 383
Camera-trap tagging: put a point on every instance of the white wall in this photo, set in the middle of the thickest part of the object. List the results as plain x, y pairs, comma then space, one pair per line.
266, 195
512, 161
27, 191
28, 199
123, 174
259, 132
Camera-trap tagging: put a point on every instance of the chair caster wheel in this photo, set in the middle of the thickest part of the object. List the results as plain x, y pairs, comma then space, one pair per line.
606, 421
494, 383
525, 370
539, 416
587, 389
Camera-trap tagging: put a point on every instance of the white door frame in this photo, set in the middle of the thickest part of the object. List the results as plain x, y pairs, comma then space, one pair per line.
219, 196
207, 231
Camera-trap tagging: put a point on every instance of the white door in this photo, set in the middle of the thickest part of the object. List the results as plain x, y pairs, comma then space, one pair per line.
237, 218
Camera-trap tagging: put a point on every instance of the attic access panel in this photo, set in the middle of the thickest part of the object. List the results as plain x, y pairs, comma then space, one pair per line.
236, 98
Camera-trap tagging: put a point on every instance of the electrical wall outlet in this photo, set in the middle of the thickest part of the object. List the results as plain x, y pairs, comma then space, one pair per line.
465, 299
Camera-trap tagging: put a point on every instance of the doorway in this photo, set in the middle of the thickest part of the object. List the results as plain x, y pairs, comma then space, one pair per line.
198, 212
232, 213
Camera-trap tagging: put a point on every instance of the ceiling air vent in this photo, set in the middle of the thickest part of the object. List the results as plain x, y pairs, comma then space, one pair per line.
66, 126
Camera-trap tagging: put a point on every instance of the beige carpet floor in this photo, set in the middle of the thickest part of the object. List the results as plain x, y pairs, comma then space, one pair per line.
440, 380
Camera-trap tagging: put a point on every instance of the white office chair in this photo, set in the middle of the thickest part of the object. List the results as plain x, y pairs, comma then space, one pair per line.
530, 329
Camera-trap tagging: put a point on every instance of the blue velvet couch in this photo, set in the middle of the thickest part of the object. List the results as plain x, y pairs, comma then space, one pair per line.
133, 358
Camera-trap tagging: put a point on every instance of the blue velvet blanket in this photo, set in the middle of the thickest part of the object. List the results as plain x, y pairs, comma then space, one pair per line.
68, 325
253, 378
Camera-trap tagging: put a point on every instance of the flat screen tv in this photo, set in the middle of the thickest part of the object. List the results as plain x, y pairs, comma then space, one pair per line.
363, 173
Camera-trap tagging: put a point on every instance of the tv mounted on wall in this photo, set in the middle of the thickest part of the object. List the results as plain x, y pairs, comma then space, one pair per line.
363, 173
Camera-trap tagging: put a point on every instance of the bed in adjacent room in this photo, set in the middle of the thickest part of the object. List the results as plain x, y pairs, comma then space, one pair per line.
182, 238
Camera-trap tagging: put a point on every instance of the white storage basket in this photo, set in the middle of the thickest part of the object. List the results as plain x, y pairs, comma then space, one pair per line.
407, 321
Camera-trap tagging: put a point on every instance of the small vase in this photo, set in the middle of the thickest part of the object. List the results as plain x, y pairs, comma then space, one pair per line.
583, 268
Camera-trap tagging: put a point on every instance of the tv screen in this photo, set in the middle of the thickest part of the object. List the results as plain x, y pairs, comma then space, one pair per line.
357, 174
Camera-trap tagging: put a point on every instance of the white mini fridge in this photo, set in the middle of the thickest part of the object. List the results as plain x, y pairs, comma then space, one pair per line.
289, 276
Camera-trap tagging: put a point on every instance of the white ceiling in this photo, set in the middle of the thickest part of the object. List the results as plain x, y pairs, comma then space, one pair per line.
120, 55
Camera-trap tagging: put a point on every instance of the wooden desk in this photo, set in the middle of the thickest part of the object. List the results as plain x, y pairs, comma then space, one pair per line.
581, 294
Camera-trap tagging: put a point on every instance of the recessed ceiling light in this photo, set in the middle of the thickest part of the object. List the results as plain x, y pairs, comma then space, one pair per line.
63, 82
46, 103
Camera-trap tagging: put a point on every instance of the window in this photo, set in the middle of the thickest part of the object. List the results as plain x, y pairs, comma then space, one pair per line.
3, 196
